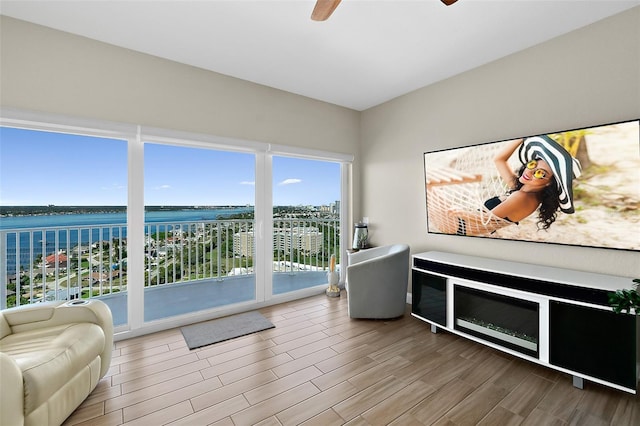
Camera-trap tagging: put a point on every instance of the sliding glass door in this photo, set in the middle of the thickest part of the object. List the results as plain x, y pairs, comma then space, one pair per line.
199, 245
306, 222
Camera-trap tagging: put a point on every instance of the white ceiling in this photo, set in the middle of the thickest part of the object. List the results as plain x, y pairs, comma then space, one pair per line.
368, 52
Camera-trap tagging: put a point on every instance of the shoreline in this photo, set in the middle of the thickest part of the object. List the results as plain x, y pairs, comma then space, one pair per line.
22, 211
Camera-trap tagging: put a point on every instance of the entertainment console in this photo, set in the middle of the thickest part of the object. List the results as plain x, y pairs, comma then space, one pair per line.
555, 317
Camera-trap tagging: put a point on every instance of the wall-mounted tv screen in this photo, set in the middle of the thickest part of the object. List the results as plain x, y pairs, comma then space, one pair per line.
576, 187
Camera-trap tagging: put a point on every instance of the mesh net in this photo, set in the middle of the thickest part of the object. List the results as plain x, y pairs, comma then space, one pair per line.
456, 193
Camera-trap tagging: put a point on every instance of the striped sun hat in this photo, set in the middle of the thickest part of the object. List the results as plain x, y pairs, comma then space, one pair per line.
564, 167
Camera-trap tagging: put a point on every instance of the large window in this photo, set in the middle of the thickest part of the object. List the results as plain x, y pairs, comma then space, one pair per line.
163, 226
63, 200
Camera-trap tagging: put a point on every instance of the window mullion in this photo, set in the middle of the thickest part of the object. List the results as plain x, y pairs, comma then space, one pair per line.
263, 231
135, 233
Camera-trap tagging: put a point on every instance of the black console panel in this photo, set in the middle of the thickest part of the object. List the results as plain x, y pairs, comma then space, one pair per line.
429, 297
594, 342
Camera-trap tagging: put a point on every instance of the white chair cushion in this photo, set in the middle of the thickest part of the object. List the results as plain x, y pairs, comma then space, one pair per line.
50, 357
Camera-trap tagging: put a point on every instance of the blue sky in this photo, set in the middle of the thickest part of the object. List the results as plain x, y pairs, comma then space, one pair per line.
40, 168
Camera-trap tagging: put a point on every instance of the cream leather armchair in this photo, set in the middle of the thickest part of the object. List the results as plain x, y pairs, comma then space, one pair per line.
377, 281
52, 356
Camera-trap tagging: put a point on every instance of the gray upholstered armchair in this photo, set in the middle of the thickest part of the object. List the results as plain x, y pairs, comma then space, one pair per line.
377, 281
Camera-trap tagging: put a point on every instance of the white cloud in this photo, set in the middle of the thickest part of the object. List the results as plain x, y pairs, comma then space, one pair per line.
246, 182
162, 187
290, 181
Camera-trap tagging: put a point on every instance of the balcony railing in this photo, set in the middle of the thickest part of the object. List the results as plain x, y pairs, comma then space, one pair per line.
64, 263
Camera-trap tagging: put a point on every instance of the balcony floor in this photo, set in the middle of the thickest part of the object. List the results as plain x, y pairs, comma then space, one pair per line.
184, 298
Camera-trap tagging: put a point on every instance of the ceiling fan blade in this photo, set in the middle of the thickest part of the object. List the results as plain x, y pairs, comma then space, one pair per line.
323, 9
449, 2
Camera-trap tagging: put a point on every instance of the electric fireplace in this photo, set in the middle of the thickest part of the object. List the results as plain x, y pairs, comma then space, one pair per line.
512, 323
557, 317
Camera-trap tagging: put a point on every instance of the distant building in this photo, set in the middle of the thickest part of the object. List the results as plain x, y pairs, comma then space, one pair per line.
56, 260
308, 240
335, 207
243, 243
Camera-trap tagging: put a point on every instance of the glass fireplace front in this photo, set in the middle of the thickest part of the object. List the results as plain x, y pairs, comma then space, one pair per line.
507, 321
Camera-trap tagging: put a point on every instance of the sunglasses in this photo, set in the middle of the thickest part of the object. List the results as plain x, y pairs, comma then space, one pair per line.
537, 173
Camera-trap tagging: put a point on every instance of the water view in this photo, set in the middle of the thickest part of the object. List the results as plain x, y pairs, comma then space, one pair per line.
70, 255
64, 231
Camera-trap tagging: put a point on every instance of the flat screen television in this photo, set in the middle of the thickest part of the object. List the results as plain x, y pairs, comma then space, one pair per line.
573, 187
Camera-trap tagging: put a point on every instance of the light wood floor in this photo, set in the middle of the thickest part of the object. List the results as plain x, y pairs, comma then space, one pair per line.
318, 367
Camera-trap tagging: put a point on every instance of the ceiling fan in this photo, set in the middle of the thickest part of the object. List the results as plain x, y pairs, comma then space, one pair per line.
324, 8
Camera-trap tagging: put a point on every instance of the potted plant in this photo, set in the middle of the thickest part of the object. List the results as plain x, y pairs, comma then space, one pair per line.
626, 300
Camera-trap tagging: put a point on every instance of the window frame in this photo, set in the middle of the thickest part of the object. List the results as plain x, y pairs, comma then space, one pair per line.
136, 136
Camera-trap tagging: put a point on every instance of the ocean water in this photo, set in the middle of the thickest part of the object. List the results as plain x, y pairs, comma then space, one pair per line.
104, 226
82, 219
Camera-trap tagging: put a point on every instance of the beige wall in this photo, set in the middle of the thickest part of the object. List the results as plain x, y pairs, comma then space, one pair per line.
587, 77
56, 72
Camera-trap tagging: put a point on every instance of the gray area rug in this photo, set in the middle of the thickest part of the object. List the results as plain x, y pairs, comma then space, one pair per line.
221, 329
